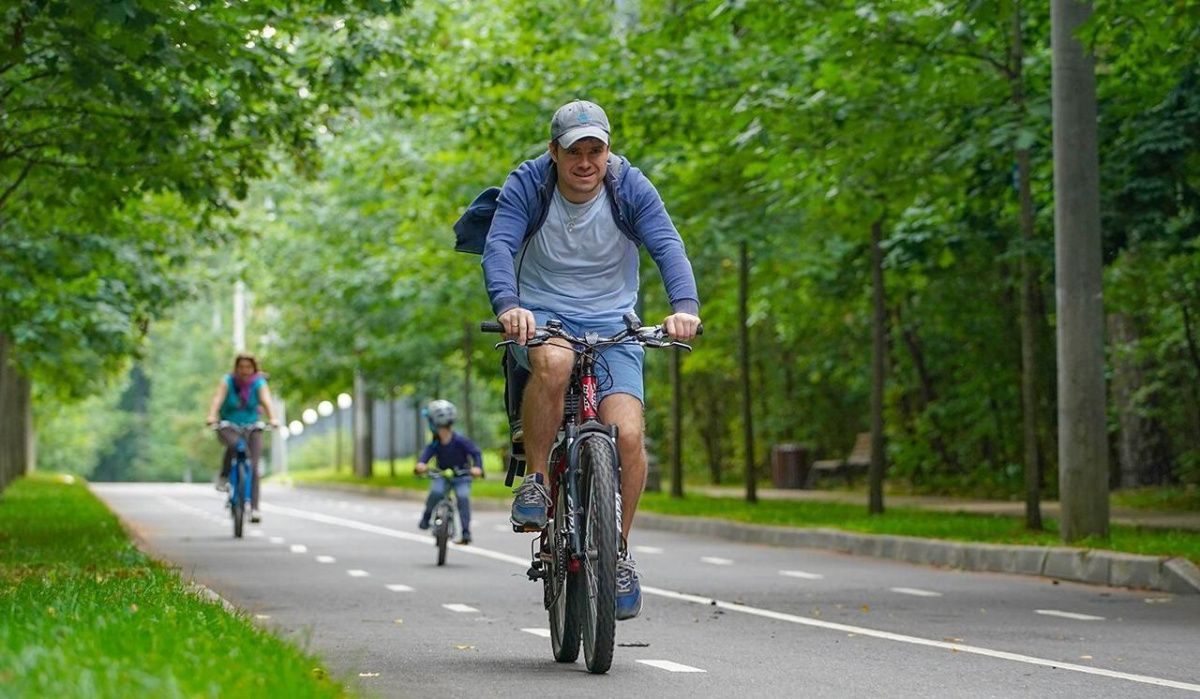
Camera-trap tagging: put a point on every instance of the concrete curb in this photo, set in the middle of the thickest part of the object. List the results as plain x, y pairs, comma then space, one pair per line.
1097, 567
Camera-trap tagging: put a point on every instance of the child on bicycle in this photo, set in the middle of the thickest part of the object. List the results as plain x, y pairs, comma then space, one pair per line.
453, 451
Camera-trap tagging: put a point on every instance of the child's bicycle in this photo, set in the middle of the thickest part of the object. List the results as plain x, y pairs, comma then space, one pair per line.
241, 473
575, 556
443, 520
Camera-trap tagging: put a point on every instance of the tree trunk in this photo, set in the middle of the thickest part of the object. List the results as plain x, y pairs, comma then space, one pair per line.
1083, 442
468, 412
16, 429
744, 337
676, 426
1029, 356
878, 355
1143, 452
364, 412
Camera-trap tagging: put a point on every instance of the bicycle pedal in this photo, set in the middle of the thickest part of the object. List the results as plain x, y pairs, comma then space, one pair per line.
535, 573
526, 529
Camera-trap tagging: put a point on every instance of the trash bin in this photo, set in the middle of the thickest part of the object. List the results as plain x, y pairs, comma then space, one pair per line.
789, 465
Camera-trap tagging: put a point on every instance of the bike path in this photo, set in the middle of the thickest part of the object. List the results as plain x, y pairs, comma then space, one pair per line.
721, 618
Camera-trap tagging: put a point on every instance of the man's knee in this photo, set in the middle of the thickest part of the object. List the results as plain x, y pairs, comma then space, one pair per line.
551, 366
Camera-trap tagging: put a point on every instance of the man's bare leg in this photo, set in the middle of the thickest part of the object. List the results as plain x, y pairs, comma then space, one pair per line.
542, 406
625, 411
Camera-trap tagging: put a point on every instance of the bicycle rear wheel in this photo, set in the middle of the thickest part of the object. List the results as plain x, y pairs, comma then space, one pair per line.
564, 589
600, 534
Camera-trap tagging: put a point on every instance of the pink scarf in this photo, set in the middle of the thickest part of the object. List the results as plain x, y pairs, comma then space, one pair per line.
243, 387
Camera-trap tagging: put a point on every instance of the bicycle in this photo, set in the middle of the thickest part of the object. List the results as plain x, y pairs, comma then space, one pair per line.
576, 555
444, 517
241, 473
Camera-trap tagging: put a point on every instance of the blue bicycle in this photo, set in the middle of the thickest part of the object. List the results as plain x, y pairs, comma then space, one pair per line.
241, 473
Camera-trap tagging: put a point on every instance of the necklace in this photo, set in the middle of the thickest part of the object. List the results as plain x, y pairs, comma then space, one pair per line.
566, 207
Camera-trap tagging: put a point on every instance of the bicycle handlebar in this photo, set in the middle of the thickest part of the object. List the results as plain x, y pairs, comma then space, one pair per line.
260, 425
649, 335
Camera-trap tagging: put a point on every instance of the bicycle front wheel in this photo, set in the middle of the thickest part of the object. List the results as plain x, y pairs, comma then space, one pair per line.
601, 535
443, 522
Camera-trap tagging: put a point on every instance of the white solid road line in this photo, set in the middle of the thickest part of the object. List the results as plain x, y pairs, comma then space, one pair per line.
915, 592
1069, 615
802, 574
397, 587
670, 666
299, 548
754, 611
325, 559
462, 608
716, 561
544, 633
356, 573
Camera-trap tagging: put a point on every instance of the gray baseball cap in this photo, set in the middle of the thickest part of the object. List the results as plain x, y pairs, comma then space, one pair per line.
576, 120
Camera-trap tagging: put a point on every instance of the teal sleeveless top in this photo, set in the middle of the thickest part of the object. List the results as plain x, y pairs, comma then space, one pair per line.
233, 410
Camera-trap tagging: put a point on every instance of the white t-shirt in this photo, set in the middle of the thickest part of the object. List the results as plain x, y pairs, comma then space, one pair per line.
579, 261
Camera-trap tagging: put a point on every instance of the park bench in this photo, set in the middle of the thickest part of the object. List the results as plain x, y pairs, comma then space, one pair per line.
857, 462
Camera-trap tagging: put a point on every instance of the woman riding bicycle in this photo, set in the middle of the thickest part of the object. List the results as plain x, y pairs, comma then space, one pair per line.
453, 451
239, 398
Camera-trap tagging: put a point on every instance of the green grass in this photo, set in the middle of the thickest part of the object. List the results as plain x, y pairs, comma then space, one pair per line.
85, 614
1171, 499
996, 529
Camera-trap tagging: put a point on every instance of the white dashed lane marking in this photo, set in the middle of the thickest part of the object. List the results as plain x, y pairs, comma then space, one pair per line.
670, 666
397, 587
715, 561
1069, 615
460, 608
802, 574
544, 633
647, 549
325, 559
276, 540
915, 592
356, 573
299, 548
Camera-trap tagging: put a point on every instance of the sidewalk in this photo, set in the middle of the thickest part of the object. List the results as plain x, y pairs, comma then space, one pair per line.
1157, 519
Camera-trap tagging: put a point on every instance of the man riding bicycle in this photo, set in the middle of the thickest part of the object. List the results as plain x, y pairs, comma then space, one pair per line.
453, 451
563, 245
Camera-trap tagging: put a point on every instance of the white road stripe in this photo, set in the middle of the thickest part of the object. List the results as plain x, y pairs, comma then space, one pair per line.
276, 540
670, 666
523, 562
716, 561
299, 548
397, 587
256, 532
1069, 615
647, 549
544, 633
802, 574
916, 592
325, 559
356, 573
460, 608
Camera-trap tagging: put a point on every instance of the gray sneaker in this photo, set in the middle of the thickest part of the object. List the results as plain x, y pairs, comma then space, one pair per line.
530, 504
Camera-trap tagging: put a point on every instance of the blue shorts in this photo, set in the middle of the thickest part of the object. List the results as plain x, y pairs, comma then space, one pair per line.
619, 368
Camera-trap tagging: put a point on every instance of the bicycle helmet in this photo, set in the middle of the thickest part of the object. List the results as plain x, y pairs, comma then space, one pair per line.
441, 413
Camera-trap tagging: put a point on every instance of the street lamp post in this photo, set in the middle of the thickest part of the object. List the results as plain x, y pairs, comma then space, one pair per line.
344, 401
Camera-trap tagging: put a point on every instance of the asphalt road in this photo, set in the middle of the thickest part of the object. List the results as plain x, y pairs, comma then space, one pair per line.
351, 579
